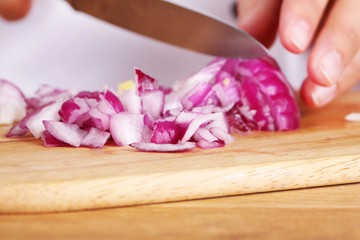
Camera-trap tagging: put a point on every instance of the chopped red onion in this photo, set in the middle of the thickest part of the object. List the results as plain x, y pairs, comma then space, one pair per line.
17, 130
131, 101
354, 117
50, 141
111, 99
46, 94
73, 108
172, 106
95, 138
34, 122
153, 103
155, 147
126, 128
227, 89
98, 120
12, 103
222, 134
144, 82
203, 121
65, 132
204, 134
166, 132
89, 95
227, 95
206, 145
197, 96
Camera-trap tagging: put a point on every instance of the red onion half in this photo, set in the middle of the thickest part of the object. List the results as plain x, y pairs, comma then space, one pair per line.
253, 93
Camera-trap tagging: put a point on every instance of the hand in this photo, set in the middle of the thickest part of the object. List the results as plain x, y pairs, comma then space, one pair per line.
14, 9
331, 26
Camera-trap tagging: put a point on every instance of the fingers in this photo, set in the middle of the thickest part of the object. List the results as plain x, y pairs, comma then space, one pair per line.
14, 9
315, 95
334, 61
337, 44
299, 20
259, 18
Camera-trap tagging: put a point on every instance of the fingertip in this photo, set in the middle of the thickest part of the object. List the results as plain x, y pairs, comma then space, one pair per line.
325, 66
305, 94
13, 10
295, 35
315, 96
298, 23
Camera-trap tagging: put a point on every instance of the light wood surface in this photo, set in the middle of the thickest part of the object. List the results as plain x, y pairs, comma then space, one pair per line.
325, 151
312, 214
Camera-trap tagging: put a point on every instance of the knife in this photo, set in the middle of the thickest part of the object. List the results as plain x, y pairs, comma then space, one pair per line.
176, 25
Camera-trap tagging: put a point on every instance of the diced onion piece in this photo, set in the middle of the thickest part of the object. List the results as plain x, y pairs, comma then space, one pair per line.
196, 96
17, 130
205, 135
65, 132
354, 117
73, 108
12, 103
222, 134
153, 103
144, 82
50, 141
46, 94
98, 120
166, 132
95, 138
206, 145
172, 105
227, 89
126, 128
201, 120
131, 101
154, 147
206, 74
114, 101
35, 120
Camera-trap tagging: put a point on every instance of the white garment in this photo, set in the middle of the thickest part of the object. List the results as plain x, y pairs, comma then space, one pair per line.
55, 45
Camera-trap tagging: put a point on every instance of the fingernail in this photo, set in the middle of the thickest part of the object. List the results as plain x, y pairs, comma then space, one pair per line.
323, 95
330, 66
300, 34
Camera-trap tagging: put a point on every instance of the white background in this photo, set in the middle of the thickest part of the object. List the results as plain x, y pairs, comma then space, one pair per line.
55, 45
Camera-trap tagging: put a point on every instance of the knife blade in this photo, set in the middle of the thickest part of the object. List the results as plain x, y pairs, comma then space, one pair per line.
175, 25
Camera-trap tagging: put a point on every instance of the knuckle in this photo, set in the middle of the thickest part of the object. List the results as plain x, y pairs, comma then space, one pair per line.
350, 37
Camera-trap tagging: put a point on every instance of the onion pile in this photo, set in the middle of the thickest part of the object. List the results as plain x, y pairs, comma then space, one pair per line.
226, 96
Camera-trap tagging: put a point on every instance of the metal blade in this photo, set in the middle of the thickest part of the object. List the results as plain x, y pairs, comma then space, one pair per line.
176, 25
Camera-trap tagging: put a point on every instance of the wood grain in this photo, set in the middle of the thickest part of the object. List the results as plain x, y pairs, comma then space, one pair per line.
325, 151
312, 214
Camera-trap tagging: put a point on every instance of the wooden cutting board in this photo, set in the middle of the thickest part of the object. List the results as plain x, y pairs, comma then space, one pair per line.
325, 151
